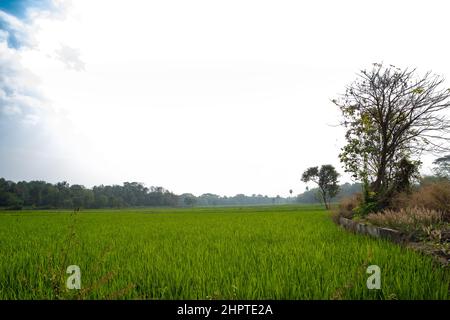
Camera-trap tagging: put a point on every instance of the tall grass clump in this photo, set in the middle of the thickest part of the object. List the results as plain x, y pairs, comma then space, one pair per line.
408, 220
432, 196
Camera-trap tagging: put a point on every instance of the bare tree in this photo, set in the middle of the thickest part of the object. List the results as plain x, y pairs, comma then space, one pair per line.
392, 116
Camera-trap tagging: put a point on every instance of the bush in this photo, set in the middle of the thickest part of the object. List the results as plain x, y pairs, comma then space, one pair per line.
347, 206
400, 201
366, 208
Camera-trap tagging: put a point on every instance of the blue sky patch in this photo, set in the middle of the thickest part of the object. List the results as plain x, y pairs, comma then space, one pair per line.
14, 36
18, 8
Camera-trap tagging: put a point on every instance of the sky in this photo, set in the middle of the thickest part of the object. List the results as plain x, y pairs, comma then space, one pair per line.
223, 97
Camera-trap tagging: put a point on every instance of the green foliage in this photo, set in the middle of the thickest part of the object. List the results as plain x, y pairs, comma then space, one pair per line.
442, 167
345, 190
284, 252
326, 179
366, 208
406, 174
43, 195
189, 200
40, 194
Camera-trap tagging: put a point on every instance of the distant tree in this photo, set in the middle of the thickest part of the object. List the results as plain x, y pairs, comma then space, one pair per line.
100, 201
392, 116
189, 201
8, 196
50, 196
442, 167
326, 179
276, 199
88, 198
35, 193
345, 190
64, 197
77, 192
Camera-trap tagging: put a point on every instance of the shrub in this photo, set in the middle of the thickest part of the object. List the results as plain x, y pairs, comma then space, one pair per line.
400, 200
365, 208
335, 215
347, 206
367, 204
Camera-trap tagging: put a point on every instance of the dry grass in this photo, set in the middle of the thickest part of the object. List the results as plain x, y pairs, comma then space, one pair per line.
409, 220
435, 196
432, 196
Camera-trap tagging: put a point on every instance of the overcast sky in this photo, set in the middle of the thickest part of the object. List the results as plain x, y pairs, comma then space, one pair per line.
224, 97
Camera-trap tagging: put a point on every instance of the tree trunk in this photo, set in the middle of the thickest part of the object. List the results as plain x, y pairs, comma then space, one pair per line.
379, 186
322, 192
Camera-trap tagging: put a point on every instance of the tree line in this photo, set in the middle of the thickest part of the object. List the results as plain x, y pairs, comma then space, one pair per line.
44, 195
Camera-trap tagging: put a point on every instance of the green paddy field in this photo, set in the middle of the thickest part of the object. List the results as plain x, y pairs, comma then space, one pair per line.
277, 252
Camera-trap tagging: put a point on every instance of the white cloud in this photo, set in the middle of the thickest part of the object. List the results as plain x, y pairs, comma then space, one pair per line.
14, 32
18, 94
70, 57
204, 96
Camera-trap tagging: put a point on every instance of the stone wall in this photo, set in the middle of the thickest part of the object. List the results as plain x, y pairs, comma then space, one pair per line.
395, 236
377, 232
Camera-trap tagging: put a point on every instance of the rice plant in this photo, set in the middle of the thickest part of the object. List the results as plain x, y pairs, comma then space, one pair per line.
278, 252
